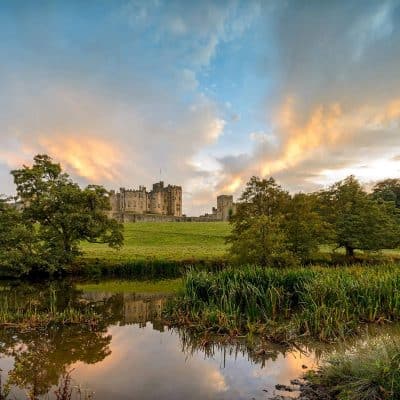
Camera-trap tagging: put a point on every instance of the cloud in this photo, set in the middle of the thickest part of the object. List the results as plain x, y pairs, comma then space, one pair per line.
304, 91
335, 102
87, 157
329, 142
109, 108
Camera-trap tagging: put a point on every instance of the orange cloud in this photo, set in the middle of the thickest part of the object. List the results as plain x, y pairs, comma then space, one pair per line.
92, 158
314, 137
321, 129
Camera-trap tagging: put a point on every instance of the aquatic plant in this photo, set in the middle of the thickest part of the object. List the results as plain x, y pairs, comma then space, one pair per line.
370, 371
325, 303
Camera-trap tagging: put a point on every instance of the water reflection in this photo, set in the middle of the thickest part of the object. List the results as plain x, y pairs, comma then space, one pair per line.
132, 308
129, 353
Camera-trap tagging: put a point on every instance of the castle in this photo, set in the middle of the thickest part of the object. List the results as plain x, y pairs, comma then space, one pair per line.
162, 204
130, 204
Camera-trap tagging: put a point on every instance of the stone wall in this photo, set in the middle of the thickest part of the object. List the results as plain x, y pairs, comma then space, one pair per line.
133, 217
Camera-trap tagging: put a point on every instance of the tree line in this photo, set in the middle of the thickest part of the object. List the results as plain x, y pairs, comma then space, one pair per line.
272, 227
55, 216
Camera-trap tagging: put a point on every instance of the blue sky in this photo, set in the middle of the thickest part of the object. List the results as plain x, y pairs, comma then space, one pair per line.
209, 92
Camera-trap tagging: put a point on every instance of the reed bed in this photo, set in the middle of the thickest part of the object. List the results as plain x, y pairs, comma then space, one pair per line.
324, 303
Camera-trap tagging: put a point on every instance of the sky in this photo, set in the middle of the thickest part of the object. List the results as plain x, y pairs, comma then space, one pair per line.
201, 94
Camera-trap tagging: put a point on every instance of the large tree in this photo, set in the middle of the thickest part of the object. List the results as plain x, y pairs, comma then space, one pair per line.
359, 221
257, 236
63, 213
272, 228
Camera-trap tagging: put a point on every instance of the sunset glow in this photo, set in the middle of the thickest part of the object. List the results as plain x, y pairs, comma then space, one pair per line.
246, 89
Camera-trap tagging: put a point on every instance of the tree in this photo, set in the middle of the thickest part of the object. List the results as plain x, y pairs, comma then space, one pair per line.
63, 213
18, 244
305, 227
271, 227
258, 236
359, 221
388, 190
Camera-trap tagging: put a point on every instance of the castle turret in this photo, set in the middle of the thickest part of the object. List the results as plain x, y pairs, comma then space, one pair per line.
225, 207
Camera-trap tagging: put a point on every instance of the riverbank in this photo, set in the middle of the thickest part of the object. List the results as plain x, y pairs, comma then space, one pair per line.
285, 304
169, 250
368, 371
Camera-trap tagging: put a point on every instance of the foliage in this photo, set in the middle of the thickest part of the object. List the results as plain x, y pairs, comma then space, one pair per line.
257, 235
388, 190
305, 227
17, 242
359, 221
370, 372
325, 303
63, 213
272, 228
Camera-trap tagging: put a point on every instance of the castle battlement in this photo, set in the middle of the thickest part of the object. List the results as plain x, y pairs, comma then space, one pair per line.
161, 200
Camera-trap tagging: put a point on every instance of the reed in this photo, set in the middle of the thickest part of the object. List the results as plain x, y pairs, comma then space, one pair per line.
370, 371
325, 303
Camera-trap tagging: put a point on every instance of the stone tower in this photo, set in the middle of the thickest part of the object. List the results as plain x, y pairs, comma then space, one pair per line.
225, 207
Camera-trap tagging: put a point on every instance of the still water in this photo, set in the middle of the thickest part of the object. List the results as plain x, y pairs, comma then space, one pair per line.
131, 354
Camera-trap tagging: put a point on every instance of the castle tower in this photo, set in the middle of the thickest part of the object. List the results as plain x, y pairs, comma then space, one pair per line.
156, 198
225, 207
174, 200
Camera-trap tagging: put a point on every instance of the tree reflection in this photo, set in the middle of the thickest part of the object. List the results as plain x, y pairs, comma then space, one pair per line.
42, 356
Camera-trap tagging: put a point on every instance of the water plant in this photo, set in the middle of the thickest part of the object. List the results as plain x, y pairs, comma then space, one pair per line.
324, 303
370, 371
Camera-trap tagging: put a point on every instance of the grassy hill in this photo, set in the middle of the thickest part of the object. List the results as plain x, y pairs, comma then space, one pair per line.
170, 241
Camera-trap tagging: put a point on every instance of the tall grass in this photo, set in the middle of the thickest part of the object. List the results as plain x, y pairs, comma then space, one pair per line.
325, 303
371, 371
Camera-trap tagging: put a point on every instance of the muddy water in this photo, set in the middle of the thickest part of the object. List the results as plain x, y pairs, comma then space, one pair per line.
130, 354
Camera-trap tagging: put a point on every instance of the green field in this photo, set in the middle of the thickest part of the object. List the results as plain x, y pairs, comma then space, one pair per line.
171, 241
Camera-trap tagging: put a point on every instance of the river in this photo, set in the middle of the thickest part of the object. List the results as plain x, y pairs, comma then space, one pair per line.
131, 354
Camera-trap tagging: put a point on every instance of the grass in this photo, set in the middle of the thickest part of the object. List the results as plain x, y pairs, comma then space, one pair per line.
371, 371
126, 286
320, 302
169, 241
166, 251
